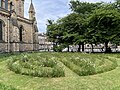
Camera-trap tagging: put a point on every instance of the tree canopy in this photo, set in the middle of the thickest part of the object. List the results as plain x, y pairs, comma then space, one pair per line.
105, 25
89, 23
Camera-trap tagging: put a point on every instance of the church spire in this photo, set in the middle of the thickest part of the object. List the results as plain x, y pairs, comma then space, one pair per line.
31, 11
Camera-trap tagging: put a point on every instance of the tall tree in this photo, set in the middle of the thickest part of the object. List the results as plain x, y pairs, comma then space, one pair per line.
73, 25
105, 25
54, 32
84, 9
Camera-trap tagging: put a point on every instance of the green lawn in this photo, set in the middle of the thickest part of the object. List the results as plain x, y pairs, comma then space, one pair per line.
109, 80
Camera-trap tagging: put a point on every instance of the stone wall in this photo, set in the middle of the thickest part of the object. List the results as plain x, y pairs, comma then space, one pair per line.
28, 30
26, 47
3, 47
5, 20
11, 33
14, 47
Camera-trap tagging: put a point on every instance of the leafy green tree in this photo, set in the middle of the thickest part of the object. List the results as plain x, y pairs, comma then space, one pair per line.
54, 33
91, 23
73, 29
84, 8
105, 26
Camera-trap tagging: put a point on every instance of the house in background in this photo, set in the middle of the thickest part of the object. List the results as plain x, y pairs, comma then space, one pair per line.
44, 44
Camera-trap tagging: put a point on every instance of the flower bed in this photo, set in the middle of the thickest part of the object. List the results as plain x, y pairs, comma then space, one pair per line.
34, 65
90, 66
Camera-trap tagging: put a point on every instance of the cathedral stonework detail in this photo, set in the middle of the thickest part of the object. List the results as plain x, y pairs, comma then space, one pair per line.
17, 33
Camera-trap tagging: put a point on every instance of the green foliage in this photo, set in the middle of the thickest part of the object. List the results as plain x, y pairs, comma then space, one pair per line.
59, 48
73, 25
104, 26
36, 66
109, 80
50, 66
91, 23
89, 66
84, 8
54, 32
4, 87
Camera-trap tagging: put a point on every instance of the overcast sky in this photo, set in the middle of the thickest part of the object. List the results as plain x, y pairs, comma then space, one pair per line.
51, 9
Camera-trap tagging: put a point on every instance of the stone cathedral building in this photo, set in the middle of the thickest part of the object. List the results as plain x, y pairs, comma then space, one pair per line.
17, 33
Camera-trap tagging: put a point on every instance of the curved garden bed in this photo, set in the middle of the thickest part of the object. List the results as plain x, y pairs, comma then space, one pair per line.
34, 65
90, 66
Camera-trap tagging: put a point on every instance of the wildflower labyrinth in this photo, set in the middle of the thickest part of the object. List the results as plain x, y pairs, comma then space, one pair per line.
90, 66
52, 66
36, 66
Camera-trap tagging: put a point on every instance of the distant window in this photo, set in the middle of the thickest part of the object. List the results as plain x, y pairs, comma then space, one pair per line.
1, 30
0, 3
6, 4
11, 7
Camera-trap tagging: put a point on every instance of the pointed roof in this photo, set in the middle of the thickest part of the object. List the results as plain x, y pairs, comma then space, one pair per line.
31, 9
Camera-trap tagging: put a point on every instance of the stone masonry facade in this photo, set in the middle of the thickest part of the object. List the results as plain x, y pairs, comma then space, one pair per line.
17, 33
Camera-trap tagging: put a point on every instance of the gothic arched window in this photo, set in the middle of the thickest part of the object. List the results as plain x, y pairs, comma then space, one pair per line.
1, 27
20, 33
6, 4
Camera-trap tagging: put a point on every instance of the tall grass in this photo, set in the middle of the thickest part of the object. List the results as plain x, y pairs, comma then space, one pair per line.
34, 65
90, 65
42, 65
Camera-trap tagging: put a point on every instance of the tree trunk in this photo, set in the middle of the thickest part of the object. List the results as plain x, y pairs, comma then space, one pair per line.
79, 48
106, 46
82, 47
92, 48
107, 49
54, 44
116, 47
68, 48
